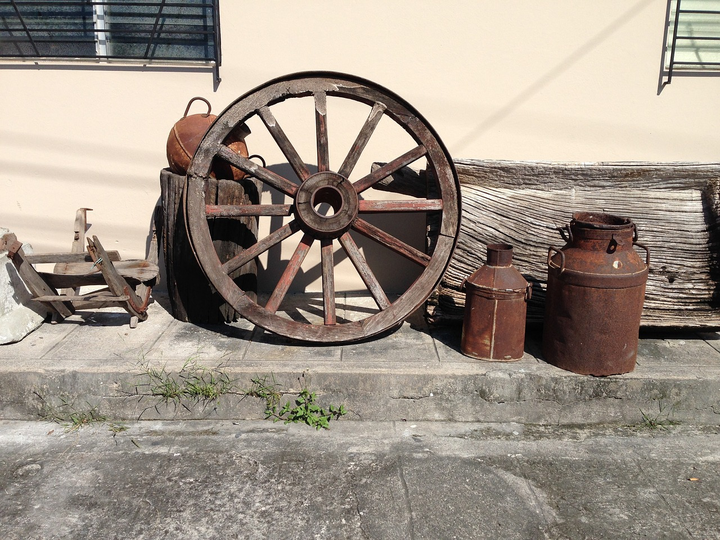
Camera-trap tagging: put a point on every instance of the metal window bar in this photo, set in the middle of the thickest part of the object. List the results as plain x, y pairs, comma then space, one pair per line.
714, 15
160, 30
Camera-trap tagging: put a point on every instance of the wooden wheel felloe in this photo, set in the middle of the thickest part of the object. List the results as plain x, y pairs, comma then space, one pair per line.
348, 209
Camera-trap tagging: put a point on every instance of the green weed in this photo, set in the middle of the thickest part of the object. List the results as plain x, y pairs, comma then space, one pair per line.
660, 420
303, 410
68, 414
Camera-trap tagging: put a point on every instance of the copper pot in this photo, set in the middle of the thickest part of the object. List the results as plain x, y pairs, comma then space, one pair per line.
185, 137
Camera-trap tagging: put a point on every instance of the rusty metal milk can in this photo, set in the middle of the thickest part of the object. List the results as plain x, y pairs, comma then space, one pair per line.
595, 295
495, 308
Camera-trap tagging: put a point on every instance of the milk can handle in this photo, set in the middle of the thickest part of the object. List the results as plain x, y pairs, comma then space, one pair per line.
647, 252
187, 109
566, 233
562, 258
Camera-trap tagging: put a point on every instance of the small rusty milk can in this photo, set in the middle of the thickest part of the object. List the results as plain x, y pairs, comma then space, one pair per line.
495, 308
595, 295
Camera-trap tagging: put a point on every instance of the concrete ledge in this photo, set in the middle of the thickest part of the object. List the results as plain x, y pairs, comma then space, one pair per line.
415, 373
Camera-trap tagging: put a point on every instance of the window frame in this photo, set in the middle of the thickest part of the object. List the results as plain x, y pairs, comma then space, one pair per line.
17, 31
670, 66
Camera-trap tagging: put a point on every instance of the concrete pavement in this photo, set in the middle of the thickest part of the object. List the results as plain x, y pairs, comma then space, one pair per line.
435, 445
416, 373
359, 480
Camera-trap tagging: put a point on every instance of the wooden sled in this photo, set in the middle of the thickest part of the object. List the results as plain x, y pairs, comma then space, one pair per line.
127, 284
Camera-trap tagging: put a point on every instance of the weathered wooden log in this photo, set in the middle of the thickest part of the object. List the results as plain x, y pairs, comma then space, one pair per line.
192, 299
675, 207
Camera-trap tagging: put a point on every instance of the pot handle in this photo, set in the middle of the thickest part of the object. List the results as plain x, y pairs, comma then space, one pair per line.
562, 258
187, 109
647, 252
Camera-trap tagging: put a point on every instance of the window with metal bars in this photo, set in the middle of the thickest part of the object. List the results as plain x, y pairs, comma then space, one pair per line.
691, 46
157, 31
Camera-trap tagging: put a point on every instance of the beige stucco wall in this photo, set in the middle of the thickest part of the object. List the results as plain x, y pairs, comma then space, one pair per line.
518, 79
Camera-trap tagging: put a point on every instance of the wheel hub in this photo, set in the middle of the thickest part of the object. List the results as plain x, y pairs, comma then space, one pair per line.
326, 205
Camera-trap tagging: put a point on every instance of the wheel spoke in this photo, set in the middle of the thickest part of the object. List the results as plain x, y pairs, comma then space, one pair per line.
261, 247
389, 241
289, 274
284, 143
389, 168
362, 139
328, 281
226, 210
364, 270
323, 152
266, 175
423, 205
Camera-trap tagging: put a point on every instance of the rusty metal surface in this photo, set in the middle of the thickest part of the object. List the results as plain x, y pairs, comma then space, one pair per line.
336, 188
495, 309
185, 137
595, 295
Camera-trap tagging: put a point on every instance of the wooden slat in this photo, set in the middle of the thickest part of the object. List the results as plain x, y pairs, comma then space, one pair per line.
226, 211
389, 241
289, 274
37, 285
91, 297
288, 150
321, 131
366, 273
270, 178
396, 164
115, 282
261, 246
362, 139
405, 181
422, 205
41, 258
139, 270
328, 281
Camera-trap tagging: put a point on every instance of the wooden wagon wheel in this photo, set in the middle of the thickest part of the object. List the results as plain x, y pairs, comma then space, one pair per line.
350, 209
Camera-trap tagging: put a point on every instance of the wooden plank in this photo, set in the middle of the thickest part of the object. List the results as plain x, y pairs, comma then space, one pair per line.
405, 181
423, 205
321, 131
383, 171
115, 282
289, 274
675, 208
288, 150
192, 299
266, 175
40, 258
84, 274
389, 241
362, 139
78, 243
36, 284
261, 246
328, 281
364, 270
90, 297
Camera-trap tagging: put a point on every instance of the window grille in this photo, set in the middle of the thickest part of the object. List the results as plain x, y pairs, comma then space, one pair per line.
157, 31
692, 40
